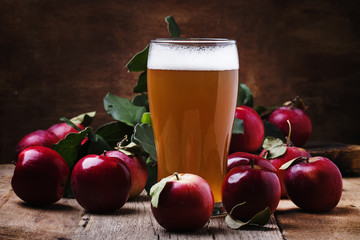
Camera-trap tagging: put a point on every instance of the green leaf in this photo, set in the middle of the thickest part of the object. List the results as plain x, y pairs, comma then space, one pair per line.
69, 147
139, 62
292, 162
157, 188
275, 147
244, 96
272, 142
123, 109
114, 132
146, 118
260, 218
141, 83
131, 149
84, 119
155, 192
70, 123
141, 100
238, 127
172, 26
97, 144
151, 166
144, 136
272, 131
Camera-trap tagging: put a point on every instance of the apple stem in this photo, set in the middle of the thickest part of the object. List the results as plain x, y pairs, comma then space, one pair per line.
13, 162
122, 142
288, 137
177, 176
252, 163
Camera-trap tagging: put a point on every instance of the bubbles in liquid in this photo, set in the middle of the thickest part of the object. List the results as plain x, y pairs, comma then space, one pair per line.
165, 56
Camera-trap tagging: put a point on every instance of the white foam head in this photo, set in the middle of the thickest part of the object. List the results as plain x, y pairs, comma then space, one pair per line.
212, 55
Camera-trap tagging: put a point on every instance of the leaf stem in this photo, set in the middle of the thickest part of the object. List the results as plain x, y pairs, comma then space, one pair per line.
237, 205
288, 136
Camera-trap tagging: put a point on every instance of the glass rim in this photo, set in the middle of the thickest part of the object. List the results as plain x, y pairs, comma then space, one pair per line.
194, 41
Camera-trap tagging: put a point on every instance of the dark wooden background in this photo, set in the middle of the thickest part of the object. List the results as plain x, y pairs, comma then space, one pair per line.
60, 58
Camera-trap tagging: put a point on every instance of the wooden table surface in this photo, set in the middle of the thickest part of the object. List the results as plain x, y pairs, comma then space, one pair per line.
67, 220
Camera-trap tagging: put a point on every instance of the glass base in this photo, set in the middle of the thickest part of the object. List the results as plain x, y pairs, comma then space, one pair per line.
219, 210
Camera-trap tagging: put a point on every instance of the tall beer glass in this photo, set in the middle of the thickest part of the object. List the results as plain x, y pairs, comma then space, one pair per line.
192, 87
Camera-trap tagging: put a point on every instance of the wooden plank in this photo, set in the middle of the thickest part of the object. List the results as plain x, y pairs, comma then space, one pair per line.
346, 157
132, 221
135, 221
217, 229
19, 221
343, 222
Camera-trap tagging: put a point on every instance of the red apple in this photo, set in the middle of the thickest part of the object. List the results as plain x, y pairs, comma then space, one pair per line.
40, 176
301, 126
290, 152
63, 129
254, 186
100, 183
37, 138
253, 135
138, 171
244, 158
314, 184
185, 203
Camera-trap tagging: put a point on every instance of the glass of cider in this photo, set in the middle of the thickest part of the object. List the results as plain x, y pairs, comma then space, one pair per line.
192, 87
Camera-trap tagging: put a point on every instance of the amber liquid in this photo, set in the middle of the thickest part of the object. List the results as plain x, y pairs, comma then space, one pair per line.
192, 115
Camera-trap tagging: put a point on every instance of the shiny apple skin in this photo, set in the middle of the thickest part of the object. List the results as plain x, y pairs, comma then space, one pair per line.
291, 153
100, 183
37, 138
185, 204
63, 129
138, 171
254, 132
40, 176
315, 186
257, 187
244, 158
301, 126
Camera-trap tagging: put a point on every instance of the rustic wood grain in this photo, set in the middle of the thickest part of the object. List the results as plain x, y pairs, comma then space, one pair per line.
132, 221
135, 221
67, 220
217, 229
20, 221
343, 222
